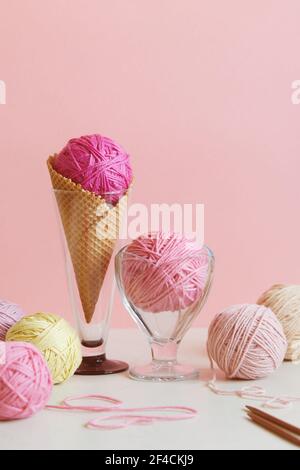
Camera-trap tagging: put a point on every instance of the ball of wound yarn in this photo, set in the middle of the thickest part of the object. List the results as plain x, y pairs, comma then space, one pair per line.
10, 313
98, 164
164, 272
55, 338
25, 381
284, 300
246, 342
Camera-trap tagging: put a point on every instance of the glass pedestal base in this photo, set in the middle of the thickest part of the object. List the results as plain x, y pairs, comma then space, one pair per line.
99, 365
164, 371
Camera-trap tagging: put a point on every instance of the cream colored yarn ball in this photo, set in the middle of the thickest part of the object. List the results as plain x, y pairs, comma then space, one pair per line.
55, 338
284, 300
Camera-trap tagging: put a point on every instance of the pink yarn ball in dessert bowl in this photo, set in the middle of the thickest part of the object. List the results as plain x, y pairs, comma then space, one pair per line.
164, 272
246, 342
10, 314
98, 164
25, 381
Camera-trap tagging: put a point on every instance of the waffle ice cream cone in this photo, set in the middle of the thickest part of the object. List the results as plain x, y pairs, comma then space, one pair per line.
91, 229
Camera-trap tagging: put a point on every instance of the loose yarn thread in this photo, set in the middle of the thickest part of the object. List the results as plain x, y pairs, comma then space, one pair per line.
254, 393
163, 272
98, 164
284, 301
55, 338
128, 416
10, 313
246, 342
25, 381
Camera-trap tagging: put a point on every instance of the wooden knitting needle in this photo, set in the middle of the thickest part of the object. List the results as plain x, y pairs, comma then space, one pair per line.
273, 419
274, 427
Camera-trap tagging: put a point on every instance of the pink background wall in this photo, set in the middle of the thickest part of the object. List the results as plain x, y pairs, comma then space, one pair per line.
197, 91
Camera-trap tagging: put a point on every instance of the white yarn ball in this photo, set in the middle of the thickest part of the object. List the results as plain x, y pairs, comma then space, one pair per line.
284, 300
10, 313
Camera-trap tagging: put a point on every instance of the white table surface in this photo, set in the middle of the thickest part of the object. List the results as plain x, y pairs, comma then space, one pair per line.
221, 423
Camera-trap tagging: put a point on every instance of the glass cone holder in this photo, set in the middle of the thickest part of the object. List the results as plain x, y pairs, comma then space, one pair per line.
91, 282
164, 330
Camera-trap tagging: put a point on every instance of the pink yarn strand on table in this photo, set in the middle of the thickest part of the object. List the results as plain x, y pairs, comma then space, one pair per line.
128, 416
164, 272
137, 419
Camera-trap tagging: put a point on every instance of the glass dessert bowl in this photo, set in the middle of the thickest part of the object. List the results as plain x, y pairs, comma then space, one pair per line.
165, 328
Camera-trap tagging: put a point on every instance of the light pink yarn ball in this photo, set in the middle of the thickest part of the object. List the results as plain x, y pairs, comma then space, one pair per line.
164, 272
98, 164
10, 314
246, 342
25, 381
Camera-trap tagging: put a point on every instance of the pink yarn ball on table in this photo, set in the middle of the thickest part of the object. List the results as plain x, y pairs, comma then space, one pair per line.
98, 164
246, 342
25, 381
10, 314
164, 272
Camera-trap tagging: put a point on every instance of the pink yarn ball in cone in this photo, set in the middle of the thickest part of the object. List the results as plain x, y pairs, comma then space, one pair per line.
98, 164
10, 314
246, 342
164, 272
25, 381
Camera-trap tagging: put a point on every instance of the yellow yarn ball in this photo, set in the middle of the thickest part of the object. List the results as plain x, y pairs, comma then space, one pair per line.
55, 338
285, 303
